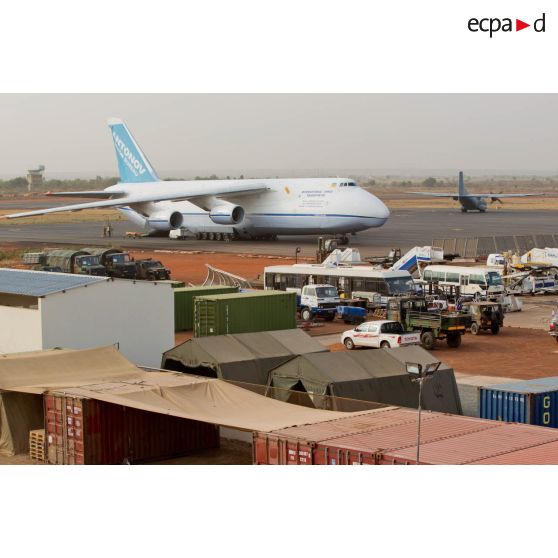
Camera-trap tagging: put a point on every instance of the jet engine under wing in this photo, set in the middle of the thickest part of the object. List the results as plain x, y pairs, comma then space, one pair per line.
154, 195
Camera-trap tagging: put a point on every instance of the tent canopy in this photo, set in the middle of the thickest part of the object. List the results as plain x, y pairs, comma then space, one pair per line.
370, 375
243, 357
19, 413
104, 374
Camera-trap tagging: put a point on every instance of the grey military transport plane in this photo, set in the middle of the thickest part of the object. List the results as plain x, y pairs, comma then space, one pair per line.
472, 202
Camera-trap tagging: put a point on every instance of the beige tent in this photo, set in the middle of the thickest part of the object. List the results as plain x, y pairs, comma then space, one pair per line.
19, 413
104, 374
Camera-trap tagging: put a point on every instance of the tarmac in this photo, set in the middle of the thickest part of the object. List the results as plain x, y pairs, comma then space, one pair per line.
405, 228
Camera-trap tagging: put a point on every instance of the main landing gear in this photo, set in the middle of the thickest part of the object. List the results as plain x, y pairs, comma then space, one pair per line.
228, 237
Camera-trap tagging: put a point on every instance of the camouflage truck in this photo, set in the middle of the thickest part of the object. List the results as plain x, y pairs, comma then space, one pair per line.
413, 314
74, 261
117, 262
151, 270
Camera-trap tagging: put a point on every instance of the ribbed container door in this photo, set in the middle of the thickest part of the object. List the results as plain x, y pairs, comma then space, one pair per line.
505, 405
206, 318
184, 303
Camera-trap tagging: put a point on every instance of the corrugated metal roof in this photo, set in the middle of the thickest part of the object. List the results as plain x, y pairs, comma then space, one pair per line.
435, 428
476, 446
537, 385
544, 454
41, 283
351, 424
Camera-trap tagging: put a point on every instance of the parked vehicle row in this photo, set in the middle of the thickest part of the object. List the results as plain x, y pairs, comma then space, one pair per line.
106, 262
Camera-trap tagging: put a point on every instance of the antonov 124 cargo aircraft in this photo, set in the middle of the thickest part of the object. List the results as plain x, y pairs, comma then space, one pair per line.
254, 208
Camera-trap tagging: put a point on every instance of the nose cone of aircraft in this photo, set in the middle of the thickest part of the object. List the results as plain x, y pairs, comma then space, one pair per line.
382, 211
376, 210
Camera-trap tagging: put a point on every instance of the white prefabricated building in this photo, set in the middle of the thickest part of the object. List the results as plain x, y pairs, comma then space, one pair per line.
42, 310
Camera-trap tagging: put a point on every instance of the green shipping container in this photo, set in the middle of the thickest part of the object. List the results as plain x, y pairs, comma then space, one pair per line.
244, 312
173, 283
184, 303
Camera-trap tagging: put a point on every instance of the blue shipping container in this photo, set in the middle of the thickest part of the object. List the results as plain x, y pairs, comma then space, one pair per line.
529, 401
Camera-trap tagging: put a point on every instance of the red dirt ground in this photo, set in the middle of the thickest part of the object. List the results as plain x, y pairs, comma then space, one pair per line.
190, 266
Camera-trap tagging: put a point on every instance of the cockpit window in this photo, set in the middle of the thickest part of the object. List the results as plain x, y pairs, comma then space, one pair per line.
352, 183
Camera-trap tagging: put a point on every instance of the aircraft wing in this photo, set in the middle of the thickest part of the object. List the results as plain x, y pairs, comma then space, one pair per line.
85, 194
498, 196
436, 194
122, 199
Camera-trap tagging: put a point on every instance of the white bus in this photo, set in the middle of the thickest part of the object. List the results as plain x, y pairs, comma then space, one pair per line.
347, 279
470, 280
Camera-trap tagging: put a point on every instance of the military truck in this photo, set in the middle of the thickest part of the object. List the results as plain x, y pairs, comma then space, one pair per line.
75, 261
413, 314
151, 270
117, 262
484, 316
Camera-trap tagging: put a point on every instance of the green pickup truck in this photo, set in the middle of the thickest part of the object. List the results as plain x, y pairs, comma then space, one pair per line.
413, 314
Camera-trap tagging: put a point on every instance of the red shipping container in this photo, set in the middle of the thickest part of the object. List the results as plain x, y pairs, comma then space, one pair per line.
82, 431
545, 454
295, 445
369, 447
389, 437
505, 439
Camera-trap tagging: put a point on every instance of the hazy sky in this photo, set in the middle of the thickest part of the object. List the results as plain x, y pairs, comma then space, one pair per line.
185, 134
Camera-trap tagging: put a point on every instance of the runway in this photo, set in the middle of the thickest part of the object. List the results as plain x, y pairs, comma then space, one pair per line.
404, 229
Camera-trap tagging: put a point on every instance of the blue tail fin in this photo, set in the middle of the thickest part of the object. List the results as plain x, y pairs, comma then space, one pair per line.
462, 189
133, 165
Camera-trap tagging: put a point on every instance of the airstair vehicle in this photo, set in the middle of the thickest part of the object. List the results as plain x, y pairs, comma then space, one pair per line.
417, 257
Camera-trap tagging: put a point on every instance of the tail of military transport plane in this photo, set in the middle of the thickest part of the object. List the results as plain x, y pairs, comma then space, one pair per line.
461, 188
133, 165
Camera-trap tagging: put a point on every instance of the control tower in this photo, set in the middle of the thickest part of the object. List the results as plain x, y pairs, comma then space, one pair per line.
35, 178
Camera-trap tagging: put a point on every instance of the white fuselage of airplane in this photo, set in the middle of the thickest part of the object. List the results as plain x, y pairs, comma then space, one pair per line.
284, 206
225, 208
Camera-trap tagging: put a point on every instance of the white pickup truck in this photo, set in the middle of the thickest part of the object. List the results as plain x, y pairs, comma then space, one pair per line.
380, 334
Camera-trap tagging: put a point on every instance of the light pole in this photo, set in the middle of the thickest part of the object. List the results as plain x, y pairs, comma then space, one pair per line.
420, 373
297, 252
